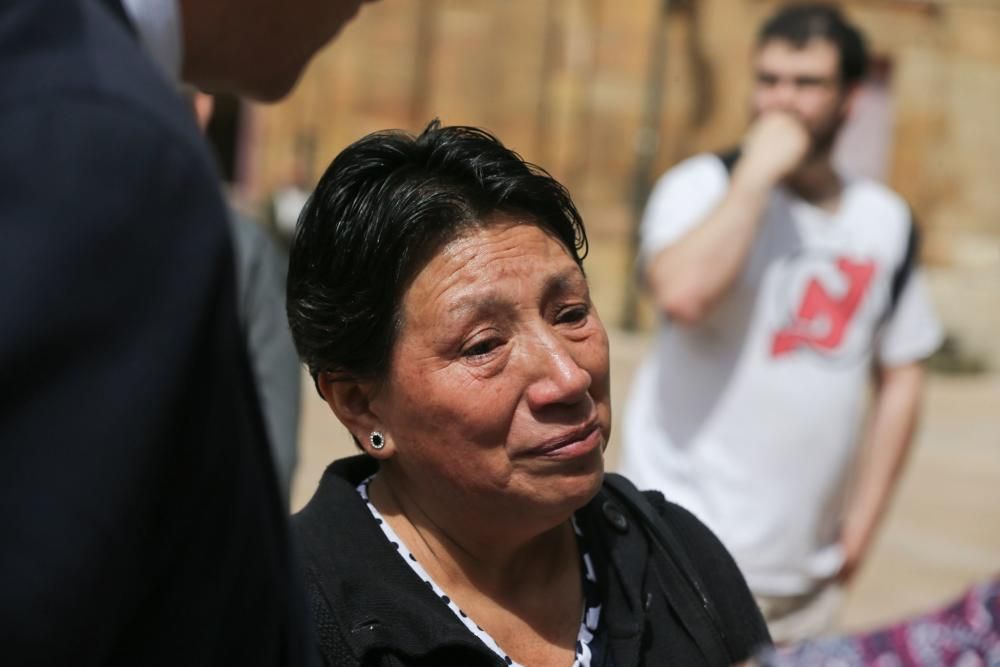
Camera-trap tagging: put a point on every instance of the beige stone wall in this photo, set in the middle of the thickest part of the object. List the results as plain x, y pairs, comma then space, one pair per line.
565, 83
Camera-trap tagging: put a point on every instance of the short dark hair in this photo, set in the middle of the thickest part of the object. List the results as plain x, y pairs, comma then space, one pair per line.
385, 205
800, 23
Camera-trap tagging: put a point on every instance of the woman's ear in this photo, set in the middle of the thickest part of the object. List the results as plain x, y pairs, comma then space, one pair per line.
351, 401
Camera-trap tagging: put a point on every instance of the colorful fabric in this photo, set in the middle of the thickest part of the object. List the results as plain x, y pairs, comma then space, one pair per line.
964, 634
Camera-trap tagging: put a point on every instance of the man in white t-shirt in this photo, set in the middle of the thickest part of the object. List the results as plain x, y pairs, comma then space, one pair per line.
786, 287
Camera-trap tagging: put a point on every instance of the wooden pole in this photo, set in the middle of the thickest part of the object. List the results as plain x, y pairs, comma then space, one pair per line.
646, 144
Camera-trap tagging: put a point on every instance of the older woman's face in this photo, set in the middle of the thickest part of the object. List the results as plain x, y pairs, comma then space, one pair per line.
498, 391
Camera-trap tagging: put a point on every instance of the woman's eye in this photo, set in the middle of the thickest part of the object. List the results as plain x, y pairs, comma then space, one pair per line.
573, 314
481, 348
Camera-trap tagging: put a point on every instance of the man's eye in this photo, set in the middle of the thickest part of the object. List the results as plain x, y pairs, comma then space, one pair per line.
809, 82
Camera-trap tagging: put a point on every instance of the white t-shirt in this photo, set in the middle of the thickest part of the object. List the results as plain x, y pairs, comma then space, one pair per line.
750, 419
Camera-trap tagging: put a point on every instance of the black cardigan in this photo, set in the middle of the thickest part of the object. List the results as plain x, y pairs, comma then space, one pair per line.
370, 608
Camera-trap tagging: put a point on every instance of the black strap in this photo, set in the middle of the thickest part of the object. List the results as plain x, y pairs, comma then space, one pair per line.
902, 273
729, 158
690, 601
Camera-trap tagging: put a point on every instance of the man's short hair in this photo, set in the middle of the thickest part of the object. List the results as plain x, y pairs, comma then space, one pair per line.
801, 23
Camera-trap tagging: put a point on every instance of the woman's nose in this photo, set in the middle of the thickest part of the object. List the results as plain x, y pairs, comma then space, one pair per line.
559, 379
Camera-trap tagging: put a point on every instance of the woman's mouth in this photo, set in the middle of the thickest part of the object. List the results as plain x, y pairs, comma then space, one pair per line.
570, 444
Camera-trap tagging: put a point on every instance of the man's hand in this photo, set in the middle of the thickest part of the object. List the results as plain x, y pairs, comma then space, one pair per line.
886, 443
776, 144
854, 543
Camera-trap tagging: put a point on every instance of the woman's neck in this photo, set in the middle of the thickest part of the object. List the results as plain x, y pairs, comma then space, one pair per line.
481, 552
522, 588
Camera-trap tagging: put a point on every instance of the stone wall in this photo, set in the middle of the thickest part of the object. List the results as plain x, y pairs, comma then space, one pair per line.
567, 84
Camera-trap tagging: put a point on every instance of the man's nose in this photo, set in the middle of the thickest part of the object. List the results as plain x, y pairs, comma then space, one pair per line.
780, 96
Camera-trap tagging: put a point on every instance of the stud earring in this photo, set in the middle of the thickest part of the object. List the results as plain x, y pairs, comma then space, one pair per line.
377, 439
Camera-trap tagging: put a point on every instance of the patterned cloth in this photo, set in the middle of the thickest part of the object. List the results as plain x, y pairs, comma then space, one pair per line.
964, 634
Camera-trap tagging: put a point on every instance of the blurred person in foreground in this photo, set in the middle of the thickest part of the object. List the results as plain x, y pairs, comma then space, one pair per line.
437, 294
785, 287
141, 520
261, 268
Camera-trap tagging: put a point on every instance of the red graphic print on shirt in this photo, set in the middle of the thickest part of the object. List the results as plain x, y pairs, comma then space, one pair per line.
821, 319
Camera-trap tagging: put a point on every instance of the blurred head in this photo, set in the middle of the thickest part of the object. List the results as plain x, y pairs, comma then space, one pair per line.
436, 292
256, 48
809, 62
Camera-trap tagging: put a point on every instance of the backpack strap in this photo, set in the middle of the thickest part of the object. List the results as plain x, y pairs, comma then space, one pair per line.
689, 599
729, 158
906, 267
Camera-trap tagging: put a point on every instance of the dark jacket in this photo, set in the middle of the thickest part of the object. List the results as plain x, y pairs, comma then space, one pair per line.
140, 517
371, 609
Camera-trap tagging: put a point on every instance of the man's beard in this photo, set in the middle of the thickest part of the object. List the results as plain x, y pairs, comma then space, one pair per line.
822, 140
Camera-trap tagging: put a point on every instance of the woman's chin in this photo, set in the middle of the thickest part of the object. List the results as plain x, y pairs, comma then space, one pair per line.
574, 489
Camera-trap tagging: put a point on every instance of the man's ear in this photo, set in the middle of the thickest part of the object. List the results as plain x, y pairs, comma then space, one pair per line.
351, 401
851, 95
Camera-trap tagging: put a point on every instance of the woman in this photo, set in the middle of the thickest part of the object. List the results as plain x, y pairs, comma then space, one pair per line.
437, 294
